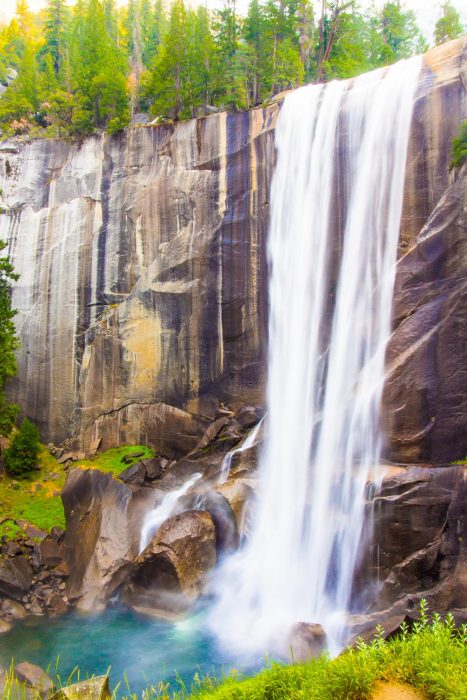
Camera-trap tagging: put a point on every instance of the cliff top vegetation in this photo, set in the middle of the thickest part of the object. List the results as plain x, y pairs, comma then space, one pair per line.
72, 71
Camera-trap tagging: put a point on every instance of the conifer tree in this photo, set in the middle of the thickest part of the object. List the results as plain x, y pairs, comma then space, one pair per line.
449, 25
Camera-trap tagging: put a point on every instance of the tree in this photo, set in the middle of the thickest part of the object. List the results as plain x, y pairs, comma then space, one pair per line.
21, 456
54, 34
8, 342
400, 34
449, 25
98, 74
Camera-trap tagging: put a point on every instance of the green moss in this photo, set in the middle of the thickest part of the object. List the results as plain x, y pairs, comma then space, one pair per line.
37, 499
459, 148
111, 460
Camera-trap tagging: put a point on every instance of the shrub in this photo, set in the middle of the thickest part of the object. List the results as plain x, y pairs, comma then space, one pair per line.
21, 457
459, 148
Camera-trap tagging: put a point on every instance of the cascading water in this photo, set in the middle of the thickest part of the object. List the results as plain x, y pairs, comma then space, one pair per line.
336, 209
227, 461
162, 512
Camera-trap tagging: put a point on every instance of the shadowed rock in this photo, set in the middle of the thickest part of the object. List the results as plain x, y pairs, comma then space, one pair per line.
170, 573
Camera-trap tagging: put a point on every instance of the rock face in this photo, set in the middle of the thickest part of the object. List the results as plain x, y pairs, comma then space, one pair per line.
104, 517
421, 535
142, 296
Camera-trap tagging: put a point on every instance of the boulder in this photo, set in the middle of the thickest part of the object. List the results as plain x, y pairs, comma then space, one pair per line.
34, 677
238, 493
15, 577
306, 641
94, 689
223, 517
57, 605
104, 519
170, 573
4, 628
50, 553
248, 416
12, 610
135, 474
212, 431
155, 467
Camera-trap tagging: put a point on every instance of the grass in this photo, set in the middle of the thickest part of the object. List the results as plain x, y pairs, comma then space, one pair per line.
37, 499
432, 657
111, 460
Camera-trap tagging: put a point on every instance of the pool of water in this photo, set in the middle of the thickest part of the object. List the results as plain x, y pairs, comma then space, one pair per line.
146, 651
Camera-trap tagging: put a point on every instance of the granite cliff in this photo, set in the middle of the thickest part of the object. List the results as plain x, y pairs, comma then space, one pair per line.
143, 291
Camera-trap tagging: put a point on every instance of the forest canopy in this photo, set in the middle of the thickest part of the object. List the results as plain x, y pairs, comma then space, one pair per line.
72, 71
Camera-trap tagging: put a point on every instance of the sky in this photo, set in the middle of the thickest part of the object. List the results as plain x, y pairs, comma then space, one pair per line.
427, 11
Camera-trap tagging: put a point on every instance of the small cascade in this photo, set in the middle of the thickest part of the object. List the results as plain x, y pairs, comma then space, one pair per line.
167, 507
227, 461
336, 206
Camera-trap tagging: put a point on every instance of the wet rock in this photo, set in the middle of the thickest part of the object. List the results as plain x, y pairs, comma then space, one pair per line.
212, 431
248, 416
57, 606
224, 521
94, 689
104, 519
155, 467
12, 610
172, 570
421, 533
238, 493
307, 640
34, 677
135, 474
15, 577
425, 397
4, 628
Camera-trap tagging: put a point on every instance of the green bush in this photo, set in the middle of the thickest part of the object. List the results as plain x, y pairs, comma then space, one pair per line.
459, 148
22, 455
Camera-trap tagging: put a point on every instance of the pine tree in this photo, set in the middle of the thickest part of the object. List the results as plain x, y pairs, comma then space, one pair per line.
54, 34
449, 25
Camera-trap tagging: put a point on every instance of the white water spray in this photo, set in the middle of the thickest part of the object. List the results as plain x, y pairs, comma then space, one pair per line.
336, 209
227, 461
157, 516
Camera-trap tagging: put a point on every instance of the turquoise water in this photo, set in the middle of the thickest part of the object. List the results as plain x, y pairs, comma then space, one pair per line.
147, 651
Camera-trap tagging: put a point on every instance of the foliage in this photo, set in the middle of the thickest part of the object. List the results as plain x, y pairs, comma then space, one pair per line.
91, 66
38, 501
112, 460
449, 25
8, 341
431, 657
22, 455
459, 148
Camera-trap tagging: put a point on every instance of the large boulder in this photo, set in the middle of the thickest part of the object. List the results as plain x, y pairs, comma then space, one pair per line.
15, 577
104, 518
171, 572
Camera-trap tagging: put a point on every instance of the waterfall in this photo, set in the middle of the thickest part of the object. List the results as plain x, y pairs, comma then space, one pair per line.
158, 515
336, 208
227, 461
